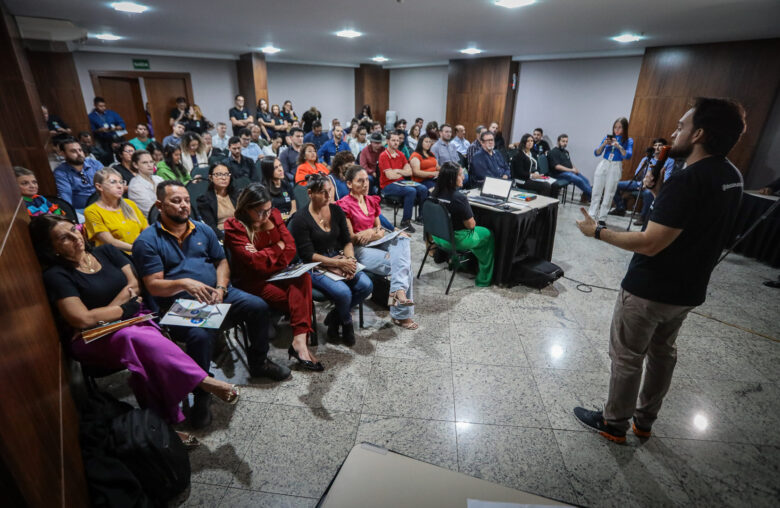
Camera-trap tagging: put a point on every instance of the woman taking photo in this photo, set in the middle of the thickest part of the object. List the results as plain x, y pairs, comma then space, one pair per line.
308, 165
88, 287
467, 234
279, 188
392, 258
338, 167
193, 152
218, 203
425, 168
112, 219
171, 168
614, 149
322, 235
143, 188
365, 113
260, 246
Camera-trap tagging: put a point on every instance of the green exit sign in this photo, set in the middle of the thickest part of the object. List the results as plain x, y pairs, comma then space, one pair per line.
140, 63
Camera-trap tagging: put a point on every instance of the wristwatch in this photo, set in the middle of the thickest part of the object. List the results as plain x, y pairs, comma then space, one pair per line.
596, 234
224, 290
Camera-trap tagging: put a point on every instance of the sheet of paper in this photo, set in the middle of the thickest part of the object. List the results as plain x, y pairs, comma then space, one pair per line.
547, 179
195, 314
388, 237
333, 276
293, 271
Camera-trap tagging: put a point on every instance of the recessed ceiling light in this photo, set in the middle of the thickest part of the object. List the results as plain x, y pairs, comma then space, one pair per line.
627, 38
349, 34
108, 37
511, 4
129, 7
380, 59
471, 51
270, 50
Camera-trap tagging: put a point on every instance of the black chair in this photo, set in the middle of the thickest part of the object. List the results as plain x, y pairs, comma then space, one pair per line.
91, 373
153, 215
396, 202
67, 208
301, 195
437, 222
92, 199
200, 172
241, 183
544, 169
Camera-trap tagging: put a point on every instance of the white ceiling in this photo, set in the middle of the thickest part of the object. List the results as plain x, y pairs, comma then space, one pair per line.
410, 31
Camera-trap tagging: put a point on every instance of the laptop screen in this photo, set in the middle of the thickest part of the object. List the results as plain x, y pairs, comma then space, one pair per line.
497, 188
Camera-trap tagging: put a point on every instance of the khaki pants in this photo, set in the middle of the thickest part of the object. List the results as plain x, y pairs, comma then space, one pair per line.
641, 328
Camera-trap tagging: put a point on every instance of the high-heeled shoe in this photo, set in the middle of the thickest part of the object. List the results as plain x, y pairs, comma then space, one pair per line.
306, 364
394, 301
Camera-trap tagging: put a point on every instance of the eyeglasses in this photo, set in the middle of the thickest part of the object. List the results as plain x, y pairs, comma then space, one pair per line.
128, 151
84, 178
263, 213
221, 175
115, 182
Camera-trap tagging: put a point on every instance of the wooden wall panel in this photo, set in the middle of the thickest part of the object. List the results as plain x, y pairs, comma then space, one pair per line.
253, 80
671, 77
372, 87
478, 91
39, 444
58, 87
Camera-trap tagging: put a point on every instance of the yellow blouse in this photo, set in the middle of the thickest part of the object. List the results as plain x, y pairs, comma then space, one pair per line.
98, 220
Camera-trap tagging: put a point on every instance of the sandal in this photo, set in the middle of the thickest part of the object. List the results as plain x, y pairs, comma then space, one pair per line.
233, 397
394, 301
189, 441
412, 325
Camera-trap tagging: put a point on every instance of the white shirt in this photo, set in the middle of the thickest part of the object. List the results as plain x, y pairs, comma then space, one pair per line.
221, 143
356, 147
143, 192
268, 151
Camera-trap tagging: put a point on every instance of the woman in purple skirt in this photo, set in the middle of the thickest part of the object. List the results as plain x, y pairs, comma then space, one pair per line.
87, 286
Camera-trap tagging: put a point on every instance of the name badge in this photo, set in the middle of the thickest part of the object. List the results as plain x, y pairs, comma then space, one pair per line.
105, 126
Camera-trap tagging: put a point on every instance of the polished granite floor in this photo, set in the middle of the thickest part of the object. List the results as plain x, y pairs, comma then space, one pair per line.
486, 387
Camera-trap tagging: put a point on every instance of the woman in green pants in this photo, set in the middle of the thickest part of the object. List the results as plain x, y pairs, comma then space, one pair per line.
468, 235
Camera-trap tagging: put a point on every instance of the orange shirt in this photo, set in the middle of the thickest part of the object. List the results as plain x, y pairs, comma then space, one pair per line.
308, 169
428, 164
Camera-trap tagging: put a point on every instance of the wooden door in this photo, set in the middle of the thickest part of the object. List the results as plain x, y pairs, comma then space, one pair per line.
161, 92
123, 95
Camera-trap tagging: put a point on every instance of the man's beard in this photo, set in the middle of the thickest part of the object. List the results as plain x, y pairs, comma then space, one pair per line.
680, 152
177, 219
75, 162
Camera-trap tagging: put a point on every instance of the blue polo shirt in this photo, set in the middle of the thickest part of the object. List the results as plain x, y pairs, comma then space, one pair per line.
108, 118
329, 149
613, 154
484, 164
72, 187
157, 250
317, 140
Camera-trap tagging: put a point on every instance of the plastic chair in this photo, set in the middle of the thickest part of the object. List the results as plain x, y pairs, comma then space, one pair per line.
92, 199
397, 203
301, 195
240, 184
437, 222
201, 171
153, 215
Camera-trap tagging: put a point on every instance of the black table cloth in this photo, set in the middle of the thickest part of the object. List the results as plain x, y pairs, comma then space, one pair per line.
763, 243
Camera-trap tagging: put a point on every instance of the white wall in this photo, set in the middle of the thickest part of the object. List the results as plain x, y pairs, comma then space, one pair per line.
331, 89
579, 97
765, 167
419, 91
214, 82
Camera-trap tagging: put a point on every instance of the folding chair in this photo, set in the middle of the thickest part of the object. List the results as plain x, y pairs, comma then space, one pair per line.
437, 222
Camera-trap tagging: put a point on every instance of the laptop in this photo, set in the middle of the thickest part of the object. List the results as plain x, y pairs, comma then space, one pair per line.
495, 191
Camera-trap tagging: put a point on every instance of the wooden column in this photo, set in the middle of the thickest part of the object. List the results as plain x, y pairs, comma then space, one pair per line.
22, 126
479, 91
372, 87
58, 87
252, 79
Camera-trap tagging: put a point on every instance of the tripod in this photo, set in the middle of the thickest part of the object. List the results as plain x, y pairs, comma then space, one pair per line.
642, 171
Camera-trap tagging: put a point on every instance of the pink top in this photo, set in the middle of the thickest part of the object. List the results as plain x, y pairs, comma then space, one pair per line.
360, 221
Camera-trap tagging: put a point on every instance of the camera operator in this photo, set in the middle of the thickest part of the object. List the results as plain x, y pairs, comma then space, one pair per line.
675, 254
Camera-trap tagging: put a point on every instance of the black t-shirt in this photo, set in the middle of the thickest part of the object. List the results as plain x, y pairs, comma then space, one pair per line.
55, 123
558, 156
458, 205
175, 112
95, 289
238, 114
702, 200
311, 239
540, 148
281, 197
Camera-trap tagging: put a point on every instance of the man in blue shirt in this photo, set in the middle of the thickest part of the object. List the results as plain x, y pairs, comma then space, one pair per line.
180, 258
175, 138
316, 136
487, 162
249, 149
105, 123
459, 141
75, 176
333, 146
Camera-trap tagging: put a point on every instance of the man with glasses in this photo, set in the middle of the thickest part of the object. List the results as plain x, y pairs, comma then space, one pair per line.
181, 258
75, 176
488, 162
249, 149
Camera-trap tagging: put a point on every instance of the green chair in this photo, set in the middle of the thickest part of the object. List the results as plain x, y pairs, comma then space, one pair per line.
241, 183
437, 222
301, 195
196, 190
201, 171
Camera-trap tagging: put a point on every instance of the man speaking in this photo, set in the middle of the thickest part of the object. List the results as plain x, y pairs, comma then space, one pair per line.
675, 254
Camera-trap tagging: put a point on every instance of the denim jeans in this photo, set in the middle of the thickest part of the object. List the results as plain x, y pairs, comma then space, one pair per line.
345, 294
411, 195
632, 185
392, 258
566, 177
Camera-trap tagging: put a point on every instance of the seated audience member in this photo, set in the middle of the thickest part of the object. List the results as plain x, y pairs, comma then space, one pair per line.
308, 165
316, 136
257, 136
208, 146
105, 123
93, 151
563, 170
264, 120
248, 149
369, 159
89, 286
488, 161
156, 150
444, 149
75, 176
393, 169
772, 189
499, 138
218, 203
377, 127
359, 141
333, 124
540, 145
179, 113
525, 167
112, 219
141, 139
309, 117
467, 234
351, 131
58, 130
280, 125
475, 147
124, 164
341, 161
333, 146
180, 258
432, 129
193, 152
239, 166
279, 187
425, 167
260, 246
171, 168
413, 137
289, 157
34, 202
633, 184
460, 142
391, 258
239, 115
174, 139
220, 141
195, 120
322, 235
288, 113
142, 189
272, 150
419, 122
